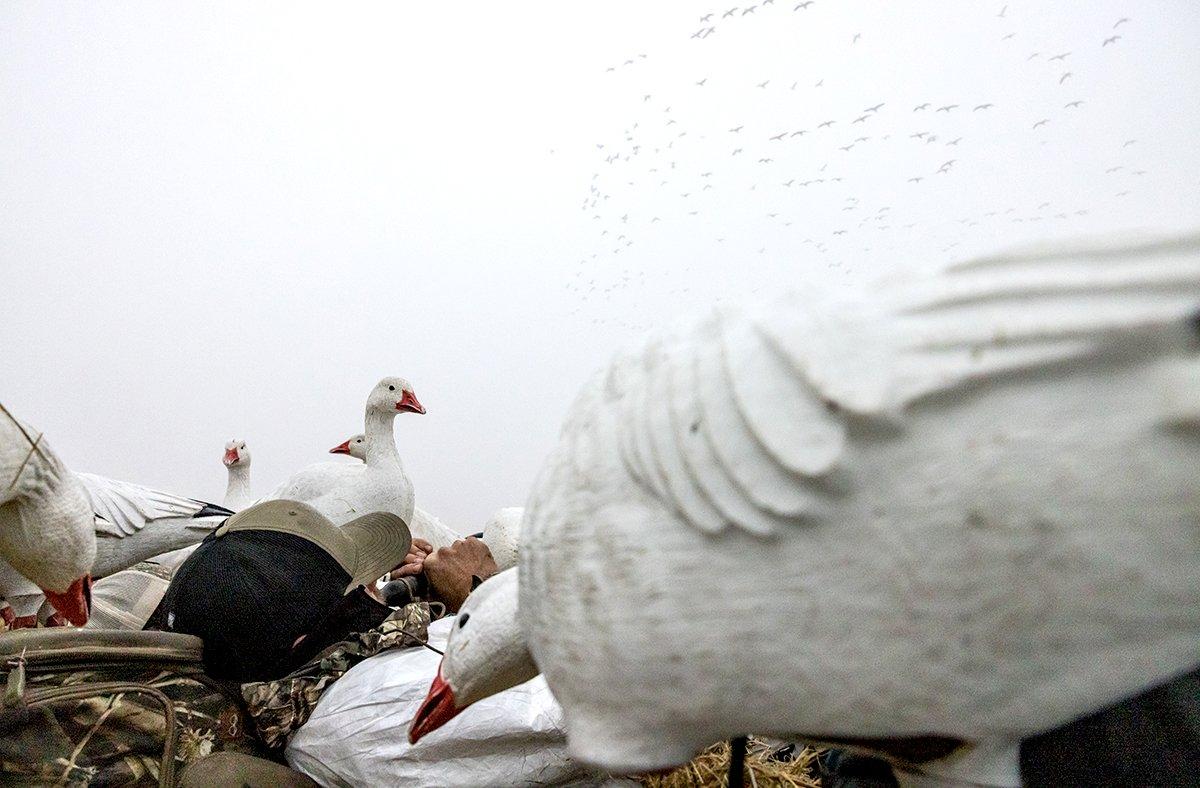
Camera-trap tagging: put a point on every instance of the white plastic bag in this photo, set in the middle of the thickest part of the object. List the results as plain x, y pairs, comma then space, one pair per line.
358, 734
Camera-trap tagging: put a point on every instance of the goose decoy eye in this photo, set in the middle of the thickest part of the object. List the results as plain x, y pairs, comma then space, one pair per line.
462, 620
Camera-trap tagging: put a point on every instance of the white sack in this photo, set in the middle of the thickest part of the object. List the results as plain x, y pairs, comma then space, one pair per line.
358, 734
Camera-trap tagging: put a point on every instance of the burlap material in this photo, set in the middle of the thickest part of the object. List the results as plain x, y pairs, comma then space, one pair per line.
126, 599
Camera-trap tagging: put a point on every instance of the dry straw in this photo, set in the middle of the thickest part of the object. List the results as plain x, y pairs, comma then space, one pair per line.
710, 769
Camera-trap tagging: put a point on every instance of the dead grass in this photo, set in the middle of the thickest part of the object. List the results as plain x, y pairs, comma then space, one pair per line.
710, 768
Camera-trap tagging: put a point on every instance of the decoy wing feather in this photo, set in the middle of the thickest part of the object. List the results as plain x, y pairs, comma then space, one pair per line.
995, 319
123, 509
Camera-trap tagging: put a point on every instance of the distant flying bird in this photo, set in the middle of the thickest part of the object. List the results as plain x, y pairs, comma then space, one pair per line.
655, 219
1041, 122
861, 139
799, 133
947, 108
1072, 104
915, 180
1111, 40
1031, 57
777, 137
736, 151
918, 135
1111, 170
706, 17
646, 97
954, 141
826, 123
856, 37
1122, 194
764, 83
982, 106
765, 161
699, 33
1063, 78
789, 183
860, 119
920, 107
1063, 56
1002, 12
839, 232
729, 13
1005, 38
805, 4
736, 129
749, 10
948, 164
874, 108
1120, 22
1128, 143
820, 82
701, 82
848, 147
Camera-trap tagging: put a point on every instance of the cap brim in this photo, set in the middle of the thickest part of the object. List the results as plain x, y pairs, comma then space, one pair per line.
381, 540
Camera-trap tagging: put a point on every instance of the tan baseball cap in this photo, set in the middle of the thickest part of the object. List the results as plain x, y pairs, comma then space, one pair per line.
366, 547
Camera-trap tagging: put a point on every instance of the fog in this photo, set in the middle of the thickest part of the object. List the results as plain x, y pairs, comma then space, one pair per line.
231, 219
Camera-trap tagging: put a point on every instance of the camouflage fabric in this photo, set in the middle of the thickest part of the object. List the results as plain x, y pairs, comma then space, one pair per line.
109, 726
280, 707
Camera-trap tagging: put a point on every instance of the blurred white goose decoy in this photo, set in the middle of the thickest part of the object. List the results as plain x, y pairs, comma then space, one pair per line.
963, 509
47, 539
237, 463
502, 535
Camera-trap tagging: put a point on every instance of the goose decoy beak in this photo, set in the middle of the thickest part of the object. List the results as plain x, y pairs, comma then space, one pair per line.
231, 456
436, 710
341, 448
409, 403
75, 604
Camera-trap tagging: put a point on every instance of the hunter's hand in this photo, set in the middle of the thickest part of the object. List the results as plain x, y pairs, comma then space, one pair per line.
450, 570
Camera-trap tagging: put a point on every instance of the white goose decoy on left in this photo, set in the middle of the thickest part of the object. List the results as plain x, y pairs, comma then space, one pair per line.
237, 465
47, 540
964, 510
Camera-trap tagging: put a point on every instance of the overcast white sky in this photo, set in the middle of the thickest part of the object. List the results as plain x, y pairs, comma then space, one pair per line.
231, 219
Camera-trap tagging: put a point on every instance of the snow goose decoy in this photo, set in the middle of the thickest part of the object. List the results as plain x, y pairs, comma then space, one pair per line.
354, 446
237, 463
47, 540
342, 491
963, 511
502, 535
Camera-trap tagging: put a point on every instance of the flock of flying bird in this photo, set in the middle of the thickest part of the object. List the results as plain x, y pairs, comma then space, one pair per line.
654, 175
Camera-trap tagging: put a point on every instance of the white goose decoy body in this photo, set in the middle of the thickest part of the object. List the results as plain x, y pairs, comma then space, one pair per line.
967, 508
424, 525
237, 464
